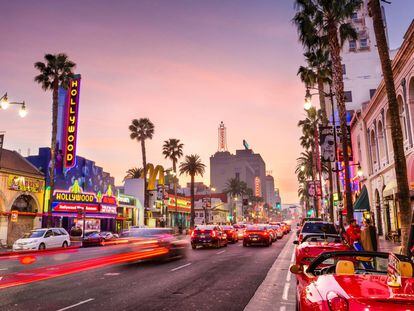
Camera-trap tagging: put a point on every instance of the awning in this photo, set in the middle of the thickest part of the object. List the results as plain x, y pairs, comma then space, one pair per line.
362, 203
390, 189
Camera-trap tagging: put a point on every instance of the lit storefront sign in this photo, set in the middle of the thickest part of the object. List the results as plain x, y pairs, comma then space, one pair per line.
108, 209
71, 123
74, 197
73, 207
257, 187
183, 203
21, 183
126, 200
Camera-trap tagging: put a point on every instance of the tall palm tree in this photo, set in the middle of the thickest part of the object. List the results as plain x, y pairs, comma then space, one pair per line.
329, 19
173, 150
396, 131
192, 166
135, 172
141, 130
57, 70
234, 187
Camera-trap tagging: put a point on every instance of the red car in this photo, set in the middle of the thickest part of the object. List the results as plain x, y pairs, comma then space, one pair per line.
208, 235
257, 234
231, 233
354, 281
315, 244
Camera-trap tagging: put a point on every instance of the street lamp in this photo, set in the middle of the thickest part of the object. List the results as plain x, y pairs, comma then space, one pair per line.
360, 172
308, 100
302, 168
5, 104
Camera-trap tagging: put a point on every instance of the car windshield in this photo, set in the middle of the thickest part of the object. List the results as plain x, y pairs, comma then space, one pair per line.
275, 227
362, 263
322, 238
227, 227
91, 233
319, 227
34, 234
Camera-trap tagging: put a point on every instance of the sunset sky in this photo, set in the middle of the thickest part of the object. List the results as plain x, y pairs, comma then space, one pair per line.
186, 65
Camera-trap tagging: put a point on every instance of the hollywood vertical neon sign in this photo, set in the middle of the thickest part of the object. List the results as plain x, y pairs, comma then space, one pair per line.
71, 123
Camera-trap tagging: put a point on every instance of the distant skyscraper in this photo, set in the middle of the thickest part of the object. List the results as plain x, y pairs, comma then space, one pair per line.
270, 191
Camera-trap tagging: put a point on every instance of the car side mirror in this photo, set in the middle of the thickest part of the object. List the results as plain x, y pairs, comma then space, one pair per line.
296, 242
296, 269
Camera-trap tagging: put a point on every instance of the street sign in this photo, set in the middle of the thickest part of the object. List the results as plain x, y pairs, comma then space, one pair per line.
14, 216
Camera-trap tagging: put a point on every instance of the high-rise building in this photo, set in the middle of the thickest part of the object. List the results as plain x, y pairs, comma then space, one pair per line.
270, 191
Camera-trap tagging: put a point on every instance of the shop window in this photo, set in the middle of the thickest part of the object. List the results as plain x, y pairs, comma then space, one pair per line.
348, 96
363, 43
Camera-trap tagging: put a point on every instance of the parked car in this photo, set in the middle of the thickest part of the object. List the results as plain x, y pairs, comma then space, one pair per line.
287, 226
40, 239
315, 244
208, 235
95, 238
355, 280
257, 234
303, 220
231, 234
314, 227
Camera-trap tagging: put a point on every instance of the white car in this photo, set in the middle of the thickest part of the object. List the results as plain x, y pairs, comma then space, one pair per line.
39, 239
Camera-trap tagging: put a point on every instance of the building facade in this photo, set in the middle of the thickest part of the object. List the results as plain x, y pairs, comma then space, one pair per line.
21, 196
372, 144
270, 191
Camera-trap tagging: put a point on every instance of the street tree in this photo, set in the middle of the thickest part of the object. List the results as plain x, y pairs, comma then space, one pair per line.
141, 130
192, 166
57, 70
330, 20
135, 172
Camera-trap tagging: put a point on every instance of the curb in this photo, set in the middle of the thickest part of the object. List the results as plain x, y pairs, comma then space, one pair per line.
264, 299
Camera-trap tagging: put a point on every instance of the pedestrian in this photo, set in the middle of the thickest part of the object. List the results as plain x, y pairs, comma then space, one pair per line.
373, 234
366, 239
353, 233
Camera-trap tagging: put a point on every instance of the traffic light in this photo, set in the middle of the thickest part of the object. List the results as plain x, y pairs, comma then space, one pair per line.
310, 212
278, 205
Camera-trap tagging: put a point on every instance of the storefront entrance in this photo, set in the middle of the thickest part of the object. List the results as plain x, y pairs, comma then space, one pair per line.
27, 208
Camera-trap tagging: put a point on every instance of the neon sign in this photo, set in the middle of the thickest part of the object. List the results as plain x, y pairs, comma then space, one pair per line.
71, 123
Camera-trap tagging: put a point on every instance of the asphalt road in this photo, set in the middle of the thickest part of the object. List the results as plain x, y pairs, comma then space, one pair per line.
207, 279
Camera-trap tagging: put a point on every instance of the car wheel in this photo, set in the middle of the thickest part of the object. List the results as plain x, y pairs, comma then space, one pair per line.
245, 244
218, 245
42, 246
225, 245
193, 246
65, 244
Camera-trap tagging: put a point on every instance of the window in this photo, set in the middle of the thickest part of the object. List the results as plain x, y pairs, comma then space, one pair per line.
354, 15
49, 233
363, 43
343, 69
352, 45
56, 232
348, 96
238, 176
371, 93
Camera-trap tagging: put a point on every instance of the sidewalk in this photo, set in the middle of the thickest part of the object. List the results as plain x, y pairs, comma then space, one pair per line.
388, 246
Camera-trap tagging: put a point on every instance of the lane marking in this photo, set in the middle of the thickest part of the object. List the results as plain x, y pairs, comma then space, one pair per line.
283, 308
180, 267
293, 256
3, 269
77, 304
288, 276
220, 252
286, 291
112, 273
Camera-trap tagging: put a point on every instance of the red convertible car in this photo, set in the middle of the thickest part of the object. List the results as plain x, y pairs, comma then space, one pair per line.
315, 244
355, 281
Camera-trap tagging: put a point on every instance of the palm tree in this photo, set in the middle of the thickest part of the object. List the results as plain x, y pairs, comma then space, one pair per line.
141, 130
57, 70
396, 132
173, 150
329, 20
234, 188
192, 166
135, 172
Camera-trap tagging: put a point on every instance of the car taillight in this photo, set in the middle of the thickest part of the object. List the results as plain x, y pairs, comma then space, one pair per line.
265, 233
213, 234
336, 302
192, 233
300, 237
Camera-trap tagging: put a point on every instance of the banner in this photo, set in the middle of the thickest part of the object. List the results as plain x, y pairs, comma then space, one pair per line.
314, 188
71, 124
339, 144
327, 143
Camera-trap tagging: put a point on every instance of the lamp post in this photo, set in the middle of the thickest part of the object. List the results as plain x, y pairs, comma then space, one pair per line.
212, 189
5, 104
